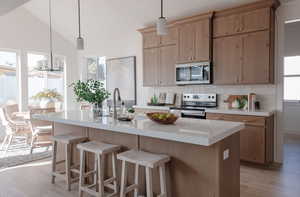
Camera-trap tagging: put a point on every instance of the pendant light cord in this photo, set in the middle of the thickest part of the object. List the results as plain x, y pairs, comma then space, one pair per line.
162, 9
51, 38
79, 19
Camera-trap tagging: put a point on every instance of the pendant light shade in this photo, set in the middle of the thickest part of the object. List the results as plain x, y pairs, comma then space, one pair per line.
80, 43
161, 25
80, 40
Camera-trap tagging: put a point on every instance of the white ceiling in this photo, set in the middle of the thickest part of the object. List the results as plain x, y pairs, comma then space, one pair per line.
104, 15
8, 5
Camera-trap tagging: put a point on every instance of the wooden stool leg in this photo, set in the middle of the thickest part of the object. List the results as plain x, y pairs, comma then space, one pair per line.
149, 182
96, 174
136, 180
123, 179
68, 166
54, 152
82, 172
114, 169
162, 176
100, 160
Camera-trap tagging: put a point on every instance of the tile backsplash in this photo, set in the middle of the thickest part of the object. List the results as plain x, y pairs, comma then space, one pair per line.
266, 94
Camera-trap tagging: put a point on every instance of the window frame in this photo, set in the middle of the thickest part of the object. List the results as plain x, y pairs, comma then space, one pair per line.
290, 76
18, 73
63, 72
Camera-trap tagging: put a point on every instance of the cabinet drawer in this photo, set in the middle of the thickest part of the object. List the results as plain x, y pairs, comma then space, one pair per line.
248, 120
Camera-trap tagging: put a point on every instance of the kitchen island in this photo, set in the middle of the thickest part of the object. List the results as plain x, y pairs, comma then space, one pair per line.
204, 153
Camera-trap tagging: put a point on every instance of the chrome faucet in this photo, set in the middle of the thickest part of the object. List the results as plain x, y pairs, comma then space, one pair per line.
115, 102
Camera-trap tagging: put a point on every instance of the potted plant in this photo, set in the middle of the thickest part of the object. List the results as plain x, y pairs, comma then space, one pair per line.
91, 91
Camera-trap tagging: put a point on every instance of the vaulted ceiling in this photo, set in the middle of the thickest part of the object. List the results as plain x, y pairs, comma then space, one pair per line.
9, 5
107, 18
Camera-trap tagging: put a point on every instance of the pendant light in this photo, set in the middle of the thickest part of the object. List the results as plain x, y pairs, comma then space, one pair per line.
51, 36
162, 28
80, 40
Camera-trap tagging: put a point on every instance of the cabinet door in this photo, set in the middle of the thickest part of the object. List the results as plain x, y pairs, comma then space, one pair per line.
227, 60
167, 65
151, 39
186, 43
171, 37
202, 40
252, 144
227, 25
256, 58
256, 20
150, 67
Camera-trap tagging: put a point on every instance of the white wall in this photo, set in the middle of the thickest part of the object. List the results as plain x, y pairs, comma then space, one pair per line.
291, 114
22, 31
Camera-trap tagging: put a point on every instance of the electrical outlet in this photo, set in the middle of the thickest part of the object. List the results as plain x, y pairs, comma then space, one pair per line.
226, 154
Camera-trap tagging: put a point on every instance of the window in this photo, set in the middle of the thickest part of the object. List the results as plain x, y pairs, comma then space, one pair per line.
292, 78
45, 85
96, 69
8, 78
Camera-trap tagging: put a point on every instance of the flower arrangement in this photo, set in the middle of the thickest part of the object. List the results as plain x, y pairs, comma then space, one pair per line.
91, 91
48, 94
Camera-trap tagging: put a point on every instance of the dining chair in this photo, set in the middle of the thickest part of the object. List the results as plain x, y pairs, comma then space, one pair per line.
41, 134
13, 129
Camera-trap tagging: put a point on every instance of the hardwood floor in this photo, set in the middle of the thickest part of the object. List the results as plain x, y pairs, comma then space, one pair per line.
33, 180
283, 182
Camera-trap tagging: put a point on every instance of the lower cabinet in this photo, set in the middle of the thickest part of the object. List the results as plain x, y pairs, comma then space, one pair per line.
256, 140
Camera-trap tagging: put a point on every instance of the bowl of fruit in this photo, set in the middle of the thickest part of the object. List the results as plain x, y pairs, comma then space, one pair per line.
162, 118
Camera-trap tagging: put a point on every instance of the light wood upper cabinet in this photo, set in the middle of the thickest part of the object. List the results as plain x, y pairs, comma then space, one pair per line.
227, 25
256, 58
194, 41
227, 60
150, 39
167, 65
243, 59
255, 20
150, 67
186, 43
202, 40
170, 38
244, 22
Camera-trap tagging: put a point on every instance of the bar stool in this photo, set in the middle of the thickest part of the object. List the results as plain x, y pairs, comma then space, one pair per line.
100, 150
149, 161
69, 141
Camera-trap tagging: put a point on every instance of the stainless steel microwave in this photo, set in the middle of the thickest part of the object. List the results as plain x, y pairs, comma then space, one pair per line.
193, 73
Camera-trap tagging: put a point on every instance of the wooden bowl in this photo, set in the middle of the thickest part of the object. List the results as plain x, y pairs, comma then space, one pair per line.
154, 116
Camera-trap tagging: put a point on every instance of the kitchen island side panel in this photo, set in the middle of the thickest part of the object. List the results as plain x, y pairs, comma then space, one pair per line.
198, 171
194, 170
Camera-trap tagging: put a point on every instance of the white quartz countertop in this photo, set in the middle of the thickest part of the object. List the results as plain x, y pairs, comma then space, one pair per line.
192, 131
216, 110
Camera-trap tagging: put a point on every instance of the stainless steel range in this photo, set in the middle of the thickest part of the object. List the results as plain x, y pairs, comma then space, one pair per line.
193, 105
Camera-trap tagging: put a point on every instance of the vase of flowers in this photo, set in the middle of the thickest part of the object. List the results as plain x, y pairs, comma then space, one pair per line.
91, 91
48, 98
